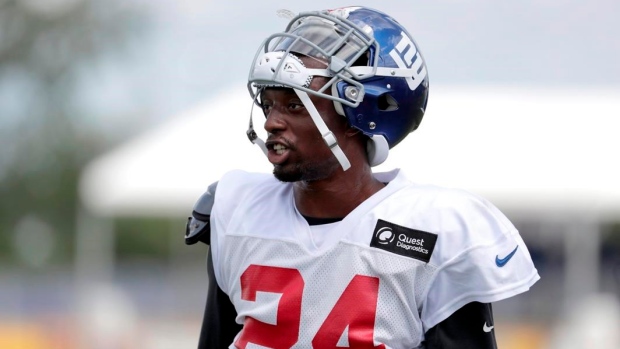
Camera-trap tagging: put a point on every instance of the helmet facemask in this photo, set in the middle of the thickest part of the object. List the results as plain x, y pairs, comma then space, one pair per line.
335, 41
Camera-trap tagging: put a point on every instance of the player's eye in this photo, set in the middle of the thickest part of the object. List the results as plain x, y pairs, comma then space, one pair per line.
266, 108
295, 106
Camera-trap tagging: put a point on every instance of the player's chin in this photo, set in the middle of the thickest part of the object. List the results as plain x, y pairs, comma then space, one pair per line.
284, 173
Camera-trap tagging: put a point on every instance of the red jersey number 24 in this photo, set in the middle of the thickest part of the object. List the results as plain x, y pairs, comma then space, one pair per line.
355, 308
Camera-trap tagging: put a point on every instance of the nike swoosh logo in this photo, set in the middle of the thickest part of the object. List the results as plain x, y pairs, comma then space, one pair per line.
501, 262
486, 328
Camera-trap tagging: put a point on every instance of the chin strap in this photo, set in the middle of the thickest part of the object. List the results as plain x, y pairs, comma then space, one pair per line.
328, 136
252, 136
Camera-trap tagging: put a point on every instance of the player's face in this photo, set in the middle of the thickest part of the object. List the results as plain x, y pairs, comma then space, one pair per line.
296, 148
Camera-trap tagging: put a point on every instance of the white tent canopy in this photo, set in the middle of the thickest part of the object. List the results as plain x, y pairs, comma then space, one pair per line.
536, 151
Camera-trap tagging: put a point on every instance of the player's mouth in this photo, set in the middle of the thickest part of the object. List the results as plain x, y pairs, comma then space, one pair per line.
278, 152
279, 149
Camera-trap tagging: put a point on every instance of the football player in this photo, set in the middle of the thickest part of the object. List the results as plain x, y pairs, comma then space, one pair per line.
325, 253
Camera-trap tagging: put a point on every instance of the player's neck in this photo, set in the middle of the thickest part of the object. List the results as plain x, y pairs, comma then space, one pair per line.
335, 197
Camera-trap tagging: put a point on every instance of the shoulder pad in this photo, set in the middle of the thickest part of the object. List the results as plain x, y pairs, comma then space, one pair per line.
198, 227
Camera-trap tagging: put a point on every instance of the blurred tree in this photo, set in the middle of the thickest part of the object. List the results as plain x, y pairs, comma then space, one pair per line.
45, 47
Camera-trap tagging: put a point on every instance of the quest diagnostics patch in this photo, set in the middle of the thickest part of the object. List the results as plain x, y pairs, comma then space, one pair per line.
403, 241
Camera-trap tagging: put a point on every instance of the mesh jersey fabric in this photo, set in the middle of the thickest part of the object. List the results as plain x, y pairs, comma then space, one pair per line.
255, 223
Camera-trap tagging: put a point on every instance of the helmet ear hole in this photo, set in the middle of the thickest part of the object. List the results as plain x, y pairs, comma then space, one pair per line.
387, 103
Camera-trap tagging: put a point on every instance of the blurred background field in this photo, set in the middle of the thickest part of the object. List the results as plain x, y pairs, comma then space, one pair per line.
116, 115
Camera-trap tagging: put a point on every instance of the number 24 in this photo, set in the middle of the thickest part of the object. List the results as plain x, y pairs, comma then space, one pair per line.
356, 308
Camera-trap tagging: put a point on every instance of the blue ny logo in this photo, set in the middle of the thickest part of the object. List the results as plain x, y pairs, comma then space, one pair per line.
406, 56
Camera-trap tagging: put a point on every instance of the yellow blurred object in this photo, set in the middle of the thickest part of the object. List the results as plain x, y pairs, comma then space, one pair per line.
23, 336
521, 336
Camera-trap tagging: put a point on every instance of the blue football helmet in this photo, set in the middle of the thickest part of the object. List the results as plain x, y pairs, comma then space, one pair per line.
377, 77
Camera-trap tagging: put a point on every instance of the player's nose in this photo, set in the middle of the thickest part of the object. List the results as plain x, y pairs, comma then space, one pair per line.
274, 121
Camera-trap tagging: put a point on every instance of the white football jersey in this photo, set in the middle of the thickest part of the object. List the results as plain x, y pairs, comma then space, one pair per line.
397, 265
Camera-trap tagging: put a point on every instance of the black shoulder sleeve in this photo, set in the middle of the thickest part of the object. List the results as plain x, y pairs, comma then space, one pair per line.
470, 327
218, 325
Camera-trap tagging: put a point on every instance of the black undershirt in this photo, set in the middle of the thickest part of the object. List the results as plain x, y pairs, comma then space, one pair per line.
319, 221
